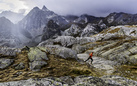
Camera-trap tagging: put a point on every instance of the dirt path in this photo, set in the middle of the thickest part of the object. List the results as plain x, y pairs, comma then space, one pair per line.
99, 63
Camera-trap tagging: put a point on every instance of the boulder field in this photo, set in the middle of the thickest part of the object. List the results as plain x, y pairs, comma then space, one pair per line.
60, 61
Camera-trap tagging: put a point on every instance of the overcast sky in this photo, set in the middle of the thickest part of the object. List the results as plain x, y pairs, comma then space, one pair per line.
75, 7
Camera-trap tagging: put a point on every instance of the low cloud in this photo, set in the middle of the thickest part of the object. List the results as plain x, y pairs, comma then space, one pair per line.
22, 11
10, 5
78, 7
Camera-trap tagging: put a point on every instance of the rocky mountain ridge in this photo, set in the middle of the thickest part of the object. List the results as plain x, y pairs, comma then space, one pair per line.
12, 16
35, 25
58, 47
36, 19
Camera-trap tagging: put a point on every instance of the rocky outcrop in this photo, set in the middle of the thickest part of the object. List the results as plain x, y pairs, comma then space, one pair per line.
51, 30
119, 44
119, 80
87, 19
9, 51
121, 19
89, 30
79, 44
80, 80
37, 65
19, 66
99, 63
5, 62
59, 51
106, 44
71, 18
36, 58
74, 31
67, 41
36, 54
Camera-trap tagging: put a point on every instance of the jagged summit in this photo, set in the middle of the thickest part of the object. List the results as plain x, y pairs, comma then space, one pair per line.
37, 19
35, 9
44, 8
121, 18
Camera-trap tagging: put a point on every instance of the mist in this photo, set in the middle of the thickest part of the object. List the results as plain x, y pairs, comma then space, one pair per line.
91, 7
99, 8
74, 7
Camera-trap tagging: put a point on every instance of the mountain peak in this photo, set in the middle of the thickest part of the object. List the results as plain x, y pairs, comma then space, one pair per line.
36, 8
44, 8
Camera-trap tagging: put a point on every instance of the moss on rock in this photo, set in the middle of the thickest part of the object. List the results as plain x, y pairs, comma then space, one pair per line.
35, 54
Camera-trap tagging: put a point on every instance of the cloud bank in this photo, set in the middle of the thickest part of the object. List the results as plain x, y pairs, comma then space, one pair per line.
75, 7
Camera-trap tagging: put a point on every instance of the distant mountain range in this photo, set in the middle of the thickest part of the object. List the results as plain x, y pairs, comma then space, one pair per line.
42, 24
35, 21
12, 16
6, 27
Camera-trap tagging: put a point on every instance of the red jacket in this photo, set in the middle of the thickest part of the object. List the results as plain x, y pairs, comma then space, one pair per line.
91, 54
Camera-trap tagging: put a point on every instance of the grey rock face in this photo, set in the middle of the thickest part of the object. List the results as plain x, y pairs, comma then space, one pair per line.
47, 42
121, 19
68, 41
36, 54
36, 19
100, 63
76, 44
74, 31
87, 19
114, 40
9, 51
36, 58
5, 62
65, 41
122, 44
121, 53
33, 82
59, 51
110, 19
51, 30
71, 18
89, 30
90, 81
102, 25
19, 66
119, 81
78, 48
68, 81
37, 65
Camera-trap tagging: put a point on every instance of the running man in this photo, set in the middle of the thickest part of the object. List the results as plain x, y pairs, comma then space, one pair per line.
90, 57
